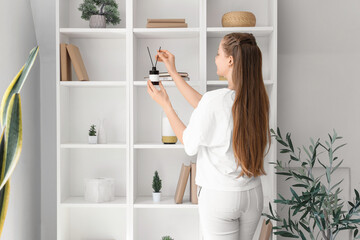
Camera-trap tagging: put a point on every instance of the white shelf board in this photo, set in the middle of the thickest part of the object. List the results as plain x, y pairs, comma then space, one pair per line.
166, 32
81, 202
113, 33
159, 145
221, 31
99, 145
225, 83
143, 83
165, 202
93, 83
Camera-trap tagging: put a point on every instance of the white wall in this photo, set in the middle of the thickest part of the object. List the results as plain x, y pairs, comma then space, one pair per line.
318, 81
17, 39
318, 74
44, 20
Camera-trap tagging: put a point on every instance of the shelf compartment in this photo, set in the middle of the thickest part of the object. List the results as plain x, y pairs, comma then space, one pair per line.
79, 164
144, 9
222, 31
82, 107
88, 223
168, 163
102, 33
104, 58
187, 57
260, 8
70, 16
152, 224
147, 114
166, 32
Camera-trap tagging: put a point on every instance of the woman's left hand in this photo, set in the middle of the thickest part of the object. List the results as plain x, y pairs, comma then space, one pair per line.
160, 96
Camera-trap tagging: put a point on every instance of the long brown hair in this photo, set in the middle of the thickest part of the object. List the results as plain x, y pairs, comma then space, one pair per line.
251, 105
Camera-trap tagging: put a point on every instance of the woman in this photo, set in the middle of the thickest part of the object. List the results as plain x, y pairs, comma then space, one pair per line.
229, 130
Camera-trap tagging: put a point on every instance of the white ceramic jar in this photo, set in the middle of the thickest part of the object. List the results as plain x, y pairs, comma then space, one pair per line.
167, 134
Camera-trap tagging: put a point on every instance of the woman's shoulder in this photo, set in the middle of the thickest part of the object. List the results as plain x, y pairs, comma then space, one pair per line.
214, 97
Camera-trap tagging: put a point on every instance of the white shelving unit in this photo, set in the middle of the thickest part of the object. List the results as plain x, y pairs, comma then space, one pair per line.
117, 60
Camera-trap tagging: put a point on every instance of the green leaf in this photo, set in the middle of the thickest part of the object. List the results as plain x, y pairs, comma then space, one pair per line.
278, 131
13, 138
289, 141
294, 194
16, 84
284, 150
339, 147
285, 234
328, 174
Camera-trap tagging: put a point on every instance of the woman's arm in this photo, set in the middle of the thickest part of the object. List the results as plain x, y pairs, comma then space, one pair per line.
189, 93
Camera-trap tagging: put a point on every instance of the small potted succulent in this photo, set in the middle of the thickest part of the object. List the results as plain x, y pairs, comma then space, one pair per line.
100, 12
167, 238
92, 134
156, 185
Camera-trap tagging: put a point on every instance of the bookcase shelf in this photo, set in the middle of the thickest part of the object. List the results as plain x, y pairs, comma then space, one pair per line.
112, 33
117, 61
166, 202
80, 202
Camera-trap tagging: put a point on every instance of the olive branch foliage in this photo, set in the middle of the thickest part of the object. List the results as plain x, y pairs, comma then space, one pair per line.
318, 207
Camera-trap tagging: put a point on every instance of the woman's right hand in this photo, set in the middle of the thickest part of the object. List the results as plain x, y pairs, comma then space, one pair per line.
168, 59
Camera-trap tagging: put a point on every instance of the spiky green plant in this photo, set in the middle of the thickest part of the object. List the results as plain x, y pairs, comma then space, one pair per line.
11, 137
318, 206
167, 238
92, 130
156, 184
108, 8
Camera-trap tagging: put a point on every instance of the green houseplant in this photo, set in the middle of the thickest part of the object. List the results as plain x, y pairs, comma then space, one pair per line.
318, 207
156, 185
92, 135
11, 137
167, 238
100, 12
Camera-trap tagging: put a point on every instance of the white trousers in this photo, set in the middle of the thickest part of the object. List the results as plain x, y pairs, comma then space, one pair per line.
229, 215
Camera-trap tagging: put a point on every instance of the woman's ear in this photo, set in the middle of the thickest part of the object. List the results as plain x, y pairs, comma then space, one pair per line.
231, 60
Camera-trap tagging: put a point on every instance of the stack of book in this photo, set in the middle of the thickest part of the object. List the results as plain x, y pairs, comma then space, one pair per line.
185, 172
166, 23
70, 53
165, 76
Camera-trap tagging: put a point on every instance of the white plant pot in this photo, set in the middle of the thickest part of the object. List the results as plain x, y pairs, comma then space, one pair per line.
156, 196
92, 139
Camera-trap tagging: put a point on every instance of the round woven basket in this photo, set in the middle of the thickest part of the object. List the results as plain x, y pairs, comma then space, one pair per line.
238, 19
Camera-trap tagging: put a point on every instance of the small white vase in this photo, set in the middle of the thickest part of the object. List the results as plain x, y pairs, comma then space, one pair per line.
102, 133
92, 139
156, 196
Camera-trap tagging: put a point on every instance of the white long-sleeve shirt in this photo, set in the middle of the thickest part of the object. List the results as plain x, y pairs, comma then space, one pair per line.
209, 135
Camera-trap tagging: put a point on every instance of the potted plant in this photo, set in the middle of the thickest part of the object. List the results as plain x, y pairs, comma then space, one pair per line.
92, 134
318, 207
156, 185
100, 12
167, 238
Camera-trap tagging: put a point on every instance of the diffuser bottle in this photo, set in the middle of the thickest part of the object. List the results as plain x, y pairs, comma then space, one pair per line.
167, 134
154, 76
